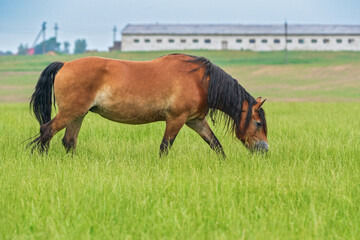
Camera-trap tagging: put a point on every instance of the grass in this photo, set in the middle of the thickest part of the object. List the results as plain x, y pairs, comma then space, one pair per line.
116, 187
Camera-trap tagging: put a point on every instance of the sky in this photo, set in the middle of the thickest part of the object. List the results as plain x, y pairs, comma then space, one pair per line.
21, 20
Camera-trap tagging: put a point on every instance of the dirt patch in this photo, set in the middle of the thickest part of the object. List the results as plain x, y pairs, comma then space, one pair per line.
14, 98
12, 87
15, 93
272, 70
314, 99
19, 73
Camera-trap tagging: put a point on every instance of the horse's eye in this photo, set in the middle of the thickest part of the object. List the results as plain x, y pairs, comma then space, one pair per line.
258, 124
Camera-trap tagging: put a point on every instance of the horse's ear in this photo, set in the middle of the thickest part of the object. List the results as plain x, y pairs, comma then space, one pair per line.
259, 103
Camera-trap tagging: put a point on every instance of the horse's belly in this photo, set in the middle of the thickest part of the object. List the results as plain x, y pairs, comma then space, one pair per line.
129, 114
128, 104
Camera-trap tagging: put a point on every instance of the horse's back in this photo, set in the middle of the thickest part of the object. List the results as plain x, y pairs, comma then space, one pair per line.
129, 91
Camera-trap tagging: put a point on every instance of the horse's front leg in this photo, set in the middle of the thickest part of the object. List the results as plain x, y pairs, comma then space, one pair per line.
173, 126
203, 129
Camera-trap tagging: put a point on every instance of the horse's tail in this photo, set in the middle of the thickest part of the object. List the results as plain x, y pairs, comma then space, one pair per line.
41, 101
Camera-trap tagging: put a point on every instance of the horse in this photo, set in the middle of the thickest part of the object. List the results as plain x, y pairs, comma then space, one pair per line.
177, 88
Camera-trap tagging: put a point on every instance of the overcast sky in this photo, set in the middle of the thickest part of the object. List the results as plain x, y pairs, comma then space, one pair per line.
21, 20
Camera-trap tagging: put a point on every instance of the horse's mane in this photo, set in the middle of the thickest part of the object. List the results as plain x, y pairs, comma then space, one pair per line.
227, 95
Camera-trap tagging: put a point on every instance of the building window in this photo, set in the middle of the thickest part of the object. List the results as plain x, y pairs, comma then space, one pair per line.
264, 40
147, 40
207, 41
301, 41
289, 40
351, 40
171, 40
326, 40
183, 40
195, 40
277, 41
238, 40
136, 40
158, 40
252, 40
313, 40
339, 40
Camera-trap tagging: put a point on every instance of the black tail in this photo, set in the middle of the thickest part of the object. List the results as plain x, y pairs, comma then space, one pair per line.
41, 99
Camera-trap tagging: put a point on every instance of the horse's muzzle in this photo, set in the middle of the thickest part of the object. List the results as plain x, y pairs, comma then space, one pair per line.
261, 147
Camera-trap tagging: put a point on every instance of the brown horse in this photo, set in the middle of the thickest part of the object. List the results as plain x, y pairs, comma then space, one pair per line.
179, 89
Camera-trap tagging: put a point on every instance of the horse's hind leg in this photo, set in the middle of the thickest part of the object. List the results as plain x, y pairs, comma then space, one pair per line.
173, 126
203, 129
72, 131
48, 130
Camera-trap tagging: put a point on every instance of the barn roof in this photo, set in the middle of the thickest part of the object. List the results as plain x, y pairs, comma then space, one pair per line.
239, 29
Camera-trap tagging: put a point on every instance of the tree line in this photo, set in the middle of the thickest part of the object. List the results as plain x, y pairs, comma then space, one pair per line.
51, 45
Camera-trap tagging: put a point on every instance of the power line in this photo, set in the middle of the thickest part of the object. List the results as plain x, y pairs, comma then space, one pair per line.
44, 37
114, 30
56, 28
42, 32
36, 39
286, 42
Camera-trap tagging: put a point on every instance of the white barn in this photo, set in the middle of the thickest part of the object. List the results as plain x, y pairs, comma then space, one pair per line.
152, 37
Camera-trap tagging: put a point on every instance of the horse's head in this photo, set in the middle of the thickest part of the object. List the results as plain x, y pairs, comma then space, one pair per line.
253, 131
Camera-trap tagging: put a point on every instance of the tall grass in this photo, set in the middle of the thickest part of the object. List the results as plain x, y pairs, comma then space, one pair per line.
115, 186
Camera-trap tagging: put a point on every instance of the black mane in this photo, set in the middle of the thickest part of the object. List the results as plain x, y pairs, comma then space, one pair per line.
227, 95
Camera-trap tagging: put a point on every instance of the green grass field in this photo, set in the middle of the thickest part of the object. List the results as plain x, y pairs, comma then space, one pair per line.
116, 187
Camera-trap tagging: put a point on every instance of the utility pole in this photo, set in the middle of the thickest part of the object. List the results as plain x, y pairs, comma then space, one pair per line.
114, 30
286, 42
43, 33
56, 28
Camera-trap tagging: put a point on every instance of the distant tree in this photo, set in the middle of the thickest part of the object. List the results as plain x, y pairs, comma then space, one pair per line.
80, 46
22, 49
66, 47
50, 45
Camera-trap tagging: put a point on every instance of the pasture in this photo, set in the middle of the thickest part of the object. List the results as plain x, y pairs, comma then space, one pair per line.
116, 187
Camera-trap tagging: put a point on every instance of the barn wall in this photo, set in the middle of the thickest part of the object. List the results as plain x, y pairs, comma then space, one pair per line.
218, 42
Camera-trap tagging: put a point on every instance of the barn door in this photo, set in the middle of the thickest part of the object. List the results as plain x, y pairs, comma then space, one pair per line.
224, 45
